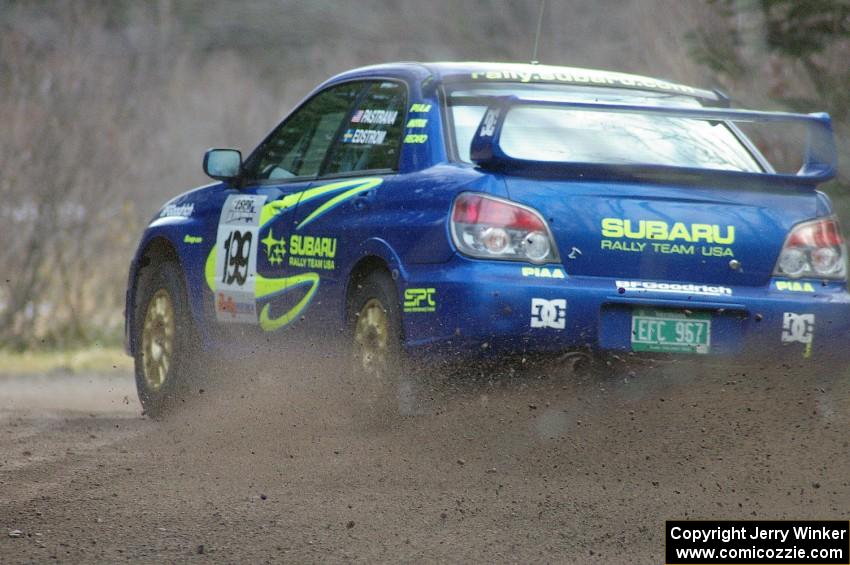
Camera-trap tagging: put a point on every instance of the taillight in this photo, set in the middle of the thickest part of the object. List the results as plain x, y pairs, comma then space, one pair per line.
492, 228
813, 249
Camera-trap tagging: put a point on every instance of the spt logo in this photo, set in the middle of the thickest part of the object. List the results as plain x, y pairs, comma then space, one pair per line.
549, 313
420, 300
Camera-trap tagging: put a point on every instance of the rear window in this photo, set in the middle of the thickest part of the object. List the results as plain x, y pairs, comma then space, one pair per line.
582, 136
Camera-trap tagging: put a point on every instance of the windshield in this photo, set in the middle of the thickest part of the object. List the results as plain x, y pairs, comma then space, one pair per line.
581, 136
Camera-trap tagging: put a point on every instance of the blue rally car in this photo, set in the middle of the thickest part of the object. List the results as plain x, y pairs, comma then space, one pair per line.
469, 209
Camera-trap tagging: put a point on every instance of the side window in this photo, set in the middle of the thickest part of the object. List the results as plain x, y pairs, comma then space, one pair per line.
299, 145
372, 138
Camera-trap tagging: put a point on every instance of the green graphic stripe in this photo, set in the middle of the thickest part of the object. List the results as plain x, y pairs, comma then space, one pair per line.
265, 287
271, 210
337, 200
209, 269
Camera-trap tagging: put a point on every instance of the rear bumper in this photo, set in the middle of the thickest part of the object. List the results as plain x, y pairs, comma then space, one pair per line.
490, 308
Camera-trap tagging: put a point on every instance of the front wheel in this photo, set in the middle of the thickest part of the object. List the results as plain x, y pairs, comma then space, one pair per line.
164, 347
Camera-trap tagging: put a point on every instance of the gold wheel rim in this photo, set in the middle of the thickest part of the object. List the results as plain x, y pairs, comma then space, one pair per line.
158, 339
372, 338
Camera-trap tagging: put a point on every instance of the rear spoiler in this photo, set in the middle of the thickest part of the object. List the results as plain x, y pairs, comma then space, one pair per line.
820, 163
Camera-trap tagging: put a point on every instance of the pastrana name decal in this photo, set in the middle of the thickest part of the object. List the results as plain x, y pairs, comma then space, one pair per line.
383, 117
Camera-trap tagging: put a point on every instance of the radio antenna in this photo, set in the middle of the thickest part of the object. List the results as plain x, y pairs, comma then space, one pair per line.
534, 60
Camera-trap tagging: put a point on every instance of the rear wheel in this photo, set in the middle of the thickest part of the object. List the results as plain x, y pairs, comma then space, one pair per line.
165, 354
374, 340
386, 374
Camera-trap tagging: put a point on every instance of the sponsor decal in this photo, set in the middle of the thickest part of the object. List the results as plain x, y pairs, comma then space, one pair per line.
383, 117
543, 273
177, 211
658, 236
241, 210
576, 76
235, 306
192, 239
488, 125
275, 248
659, 229
799, 328
795, 286
235, 254
364, 136
574, 253
416, 138
417, 123
420, 300
312, 252
420, 108
549, 313
305, 251
676, 288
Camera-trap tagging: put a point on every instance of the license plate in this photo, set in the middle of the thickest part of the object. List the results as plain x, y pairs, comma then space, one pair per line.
667, 331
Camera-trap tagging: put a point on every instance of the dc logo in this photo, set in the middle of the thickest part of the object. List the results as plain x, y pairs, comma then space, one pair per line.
548, 313
798, 327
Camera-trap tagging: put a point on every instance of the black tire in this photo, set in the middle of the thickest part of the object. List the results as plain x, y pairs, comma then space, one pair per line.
392, 382
181, 370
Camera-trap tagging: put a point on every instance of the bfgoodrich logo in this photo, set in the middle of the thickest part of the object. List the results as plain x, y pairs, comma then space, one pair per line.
677, 288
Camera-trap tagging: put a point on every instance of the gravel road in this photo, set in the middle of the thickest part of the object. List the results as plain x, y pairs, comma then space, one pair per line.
540, 467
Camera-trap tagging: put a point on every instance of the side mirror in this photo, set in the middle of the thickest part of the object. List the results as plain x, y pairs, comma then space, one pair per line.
223, 164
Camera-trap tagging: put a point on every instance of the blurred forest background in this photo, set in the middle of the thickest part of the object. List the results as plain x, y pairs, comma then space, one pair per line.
106, 106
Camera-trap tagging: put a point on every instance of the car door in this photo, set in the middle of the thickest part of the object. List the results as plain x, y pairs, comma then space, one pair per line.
253, 282
338, 213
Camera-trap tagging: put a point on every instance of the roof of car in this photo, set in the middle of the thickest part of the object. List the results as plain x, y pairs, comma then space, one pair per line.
448, 72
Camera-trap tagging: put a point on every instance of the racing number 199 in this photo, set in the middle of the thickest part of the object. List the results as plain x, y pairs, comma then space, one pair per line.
237, 248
